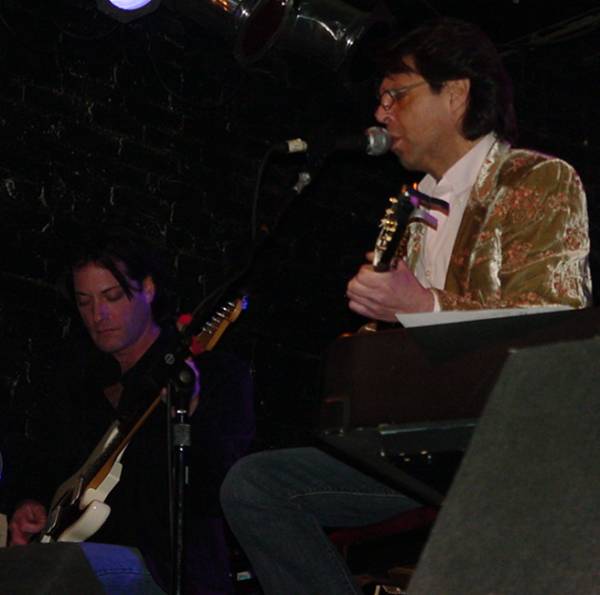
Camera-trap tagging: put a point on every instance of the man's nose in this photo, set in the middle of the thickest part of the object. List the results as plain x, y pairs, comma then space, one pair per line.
381, 115
100, 312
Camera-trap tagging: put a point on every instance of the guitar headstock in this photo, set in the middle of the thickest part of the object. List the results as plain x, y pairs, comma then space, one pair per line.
389, 236
212, 330
415, 203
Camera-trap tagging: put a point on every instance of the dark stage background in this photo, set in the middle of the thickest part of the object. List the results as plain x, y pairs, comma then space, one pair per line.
155, 125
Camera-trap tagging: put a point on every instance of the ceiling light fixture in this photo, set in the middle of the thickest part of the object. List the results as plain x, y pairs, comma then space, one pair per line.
125, 11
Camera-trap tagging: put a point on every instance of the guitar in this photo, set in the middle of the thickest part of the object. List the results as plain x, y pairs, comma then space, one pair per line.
385, 252
386, 244
78, 508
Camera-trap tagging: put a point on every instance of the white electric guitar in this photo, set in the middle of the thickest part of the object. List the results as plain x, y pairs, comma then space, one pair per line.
78, 508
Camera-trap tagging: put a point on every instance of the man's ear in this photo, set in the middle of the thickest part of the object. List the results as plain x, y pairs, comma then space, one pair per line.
149, 289
459, 91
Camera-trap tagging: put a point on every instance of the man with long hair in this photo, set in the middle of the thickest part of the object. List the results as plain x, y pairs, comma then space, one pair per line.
117, 284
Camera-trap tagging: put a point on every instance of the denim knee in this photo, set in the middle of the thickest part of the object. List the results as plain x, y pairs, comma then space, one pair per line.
120, 569
238, 484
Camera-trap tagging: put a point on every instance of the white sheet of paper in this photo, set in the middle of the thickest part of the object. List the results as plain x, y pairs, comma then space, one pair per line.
452, 316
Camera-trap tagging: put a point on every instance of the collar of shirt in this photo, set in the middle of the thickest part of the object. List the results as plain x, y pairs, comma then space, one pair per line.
463, 174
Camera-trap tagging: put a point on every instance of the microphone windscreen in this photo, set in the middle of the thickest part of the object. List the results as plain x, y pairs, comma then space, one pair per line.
378, 141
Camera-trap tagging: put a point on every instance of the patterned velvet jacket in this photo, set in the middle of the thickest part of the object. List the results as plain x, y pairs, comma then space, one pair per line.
523, 239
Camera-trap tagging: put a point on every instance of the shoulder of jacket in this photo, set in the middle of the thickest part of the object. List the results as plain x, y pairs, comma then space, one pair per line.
520, 163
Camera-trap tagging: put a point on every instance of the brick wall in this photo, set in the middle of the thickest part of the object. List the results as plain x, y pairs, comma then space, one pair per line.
153, 124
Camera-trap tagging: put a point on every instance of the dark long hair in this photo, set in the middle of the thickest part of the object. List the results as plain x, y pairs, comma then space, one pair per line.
115, 247
448, 49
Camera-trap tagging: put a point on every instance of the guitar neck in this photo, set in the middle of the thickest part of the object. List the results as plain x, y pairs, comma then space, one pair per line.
124, 431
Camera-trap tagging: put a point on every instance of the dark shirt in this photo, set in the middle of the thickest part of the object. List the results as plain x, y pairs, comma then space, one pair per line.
222, 429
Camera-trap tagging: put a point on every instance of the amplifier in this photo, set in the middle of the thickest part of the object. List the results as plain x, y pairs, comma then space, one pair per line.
418, 459
432, 373
398, 403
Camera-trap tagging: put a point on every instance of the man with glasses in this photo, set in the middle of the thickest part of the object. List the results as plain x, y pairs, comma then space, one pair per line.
516, 235
517, 231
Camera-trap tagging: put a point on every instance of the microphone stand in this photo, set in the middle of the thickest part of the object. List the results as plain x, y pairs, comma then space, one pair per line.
172, 371
179, 392
314, 162
259, 239
182, 380
376, 141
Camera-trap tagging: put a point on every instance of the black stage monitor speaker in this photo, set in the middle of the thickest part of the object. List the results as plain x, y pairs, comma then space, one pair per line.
47, 569
523, 514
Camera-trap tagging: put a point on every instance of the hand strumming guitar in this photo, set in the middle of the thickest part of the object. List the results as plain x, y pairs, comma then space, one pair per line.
379, 295
27, 520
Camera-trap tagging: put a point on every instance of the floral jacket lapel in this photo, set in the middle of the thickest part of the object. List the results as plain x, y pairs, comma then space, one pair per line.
482, 193
473, 220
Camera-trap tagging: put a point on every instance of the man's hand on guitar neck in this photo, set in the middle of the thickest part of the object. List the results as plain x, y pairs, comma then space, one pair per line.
380, 295
28, 519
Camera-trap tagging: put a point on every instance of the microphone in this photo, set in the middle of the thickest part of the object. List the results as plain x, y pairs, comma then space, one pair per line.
374, 141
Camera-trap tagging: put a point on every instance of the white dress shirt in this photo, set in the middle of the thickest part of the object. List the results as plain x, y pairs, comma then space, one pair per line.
454, 187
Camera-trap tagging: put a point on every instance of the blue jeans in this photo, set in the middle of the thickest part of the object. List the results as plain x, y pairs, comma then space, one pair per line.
277, 504
120, 569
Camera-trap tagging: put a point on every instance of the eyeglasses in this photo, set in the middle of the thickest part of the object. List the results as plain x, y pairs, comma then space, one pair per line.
390, 96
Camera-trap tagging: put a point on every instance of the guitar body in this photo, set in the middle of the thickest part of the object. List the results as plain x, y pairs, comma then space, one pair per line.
92, 518
77, 513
